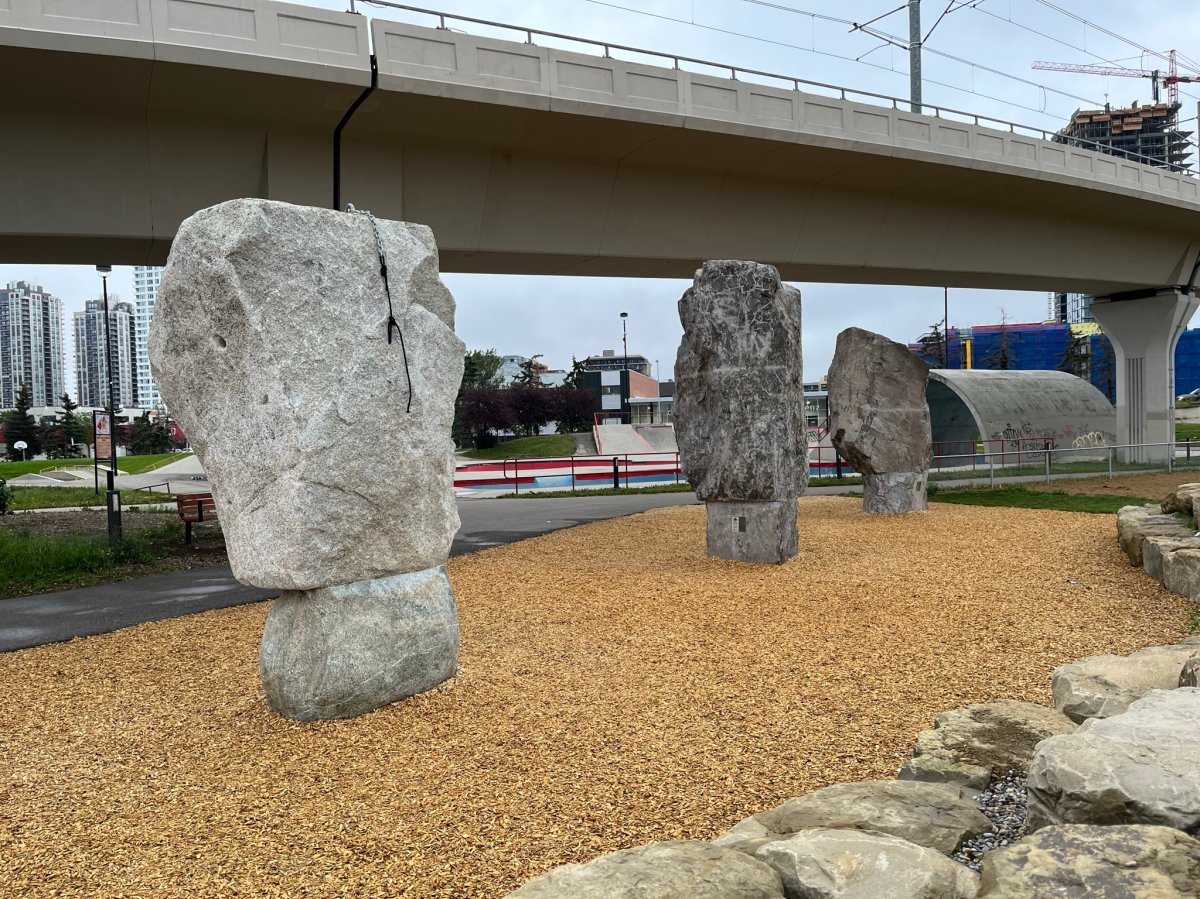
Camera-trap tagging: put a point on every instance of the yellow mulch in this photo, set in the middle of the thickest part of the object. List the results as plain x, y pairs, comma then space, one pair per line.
617, 688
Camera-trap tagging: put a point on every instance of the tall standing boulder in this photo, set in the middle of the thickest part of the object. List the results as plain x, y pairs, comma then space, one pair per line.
321, 410
739, 408
880, 420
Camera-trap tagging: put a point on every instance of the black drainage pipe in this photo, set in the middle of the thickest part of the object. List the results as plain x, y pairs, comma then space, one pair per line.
337, 134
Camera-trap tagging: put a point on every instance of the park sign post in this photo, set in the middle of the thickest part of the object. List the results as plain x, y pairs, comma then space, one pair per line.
102, 439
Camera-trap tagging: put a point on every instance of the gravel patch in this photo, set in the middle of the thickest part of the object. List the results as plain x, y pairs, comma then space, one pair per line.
616, 687
1004, 804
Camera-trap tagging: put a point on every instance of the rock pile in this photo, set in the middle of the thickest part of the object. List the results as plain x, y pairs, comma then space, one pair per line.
880, 420
739, 408
293, 372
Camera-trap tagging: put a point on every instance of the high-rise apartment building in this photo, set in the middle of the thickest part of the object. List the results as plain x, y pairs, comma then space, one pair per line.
91, 359
31, 344
146, 279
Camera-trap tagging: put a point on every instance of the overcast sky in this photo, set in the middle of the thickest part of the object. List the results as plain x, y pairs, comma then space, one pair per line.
560, 317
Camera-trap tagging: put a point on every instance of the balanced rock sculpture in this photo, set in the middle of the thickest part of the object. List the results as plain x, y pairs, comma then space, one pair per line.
321, 411
880, 420
739, 408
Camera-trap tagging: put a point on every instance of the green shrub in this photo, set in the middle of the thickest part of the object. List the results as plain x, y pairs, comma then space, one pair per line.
6, 498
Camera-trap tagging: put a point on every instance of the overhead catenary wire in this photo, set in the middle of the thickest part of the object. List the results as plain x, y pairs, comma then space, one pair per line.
811, 49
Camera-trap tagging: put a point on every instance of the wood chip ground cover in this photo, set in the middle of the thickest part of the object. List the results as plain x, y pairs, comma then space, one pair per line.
616, 688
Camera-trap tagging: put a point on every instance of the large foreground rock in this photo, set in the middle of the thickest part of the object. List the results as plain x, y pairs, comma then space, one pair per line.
936, 816
972, 745
879, 418
1181, 571
1181, 499
270, 345
851, 864
1156, 551
1101, 686
1141, 767
342, 651
1136, 523
1081, 862
672, 870
739, 406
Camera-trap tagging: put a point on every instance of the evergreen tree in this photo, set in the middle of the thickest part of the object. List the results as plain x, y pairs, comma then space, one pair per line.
19, 425
531, 373
574, 377
1075, 358
1001, 358
933, 347
66, 428
149, 437
481, 368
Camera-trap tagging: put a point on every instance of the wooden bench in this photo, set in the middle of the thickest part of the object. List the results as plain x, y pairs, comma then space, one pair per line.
193, 507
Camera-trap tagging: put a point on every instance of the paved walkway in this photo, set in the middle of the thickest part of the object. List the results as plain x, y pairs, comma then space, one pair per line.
52, 617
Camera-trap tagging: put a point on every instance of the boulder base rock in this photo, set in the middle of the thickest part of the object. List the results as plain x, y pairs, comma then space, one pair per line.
851, 864
1181, 499
1080, 862
1136, 523
1155, 551
895, 492
1140, 767
752, 532
936, 816
671, 870
880, 419
342, 651
972, 745
1101, 686
1190, 675
270, 343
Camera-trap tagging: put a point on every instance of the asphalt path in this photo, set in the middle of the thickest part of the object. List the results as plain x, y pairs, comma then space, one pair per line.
53, 617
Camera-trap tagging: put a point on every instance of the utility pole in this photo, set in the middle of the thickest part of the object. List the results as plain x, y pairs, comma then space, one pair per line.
946, 326
914, 54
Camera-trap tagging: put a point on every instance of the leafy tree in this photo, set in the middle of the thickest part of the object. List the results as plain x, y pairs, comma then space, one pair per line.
532, 406
574, 377
933, 347
531, 373
19, 425
83, 428
481, 368
573, 408
1104, 369
1075, 358
148, 437
480, 413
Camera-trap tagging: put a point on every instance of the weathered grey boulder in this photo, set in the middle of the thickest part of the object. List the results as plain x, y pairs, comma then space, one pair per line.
1181, 572
1081, 862
341, 651
1136, 523
851, 864
1155, 551
1140, 767
972, 745
1190, 675
1101, 686
1181, 499
739, 406
270, 344
937, 816
880, 420
671, 870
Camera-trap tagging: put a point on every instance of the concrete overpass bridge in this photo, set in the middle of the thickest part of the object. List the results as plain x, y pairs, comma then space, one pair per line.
125, 116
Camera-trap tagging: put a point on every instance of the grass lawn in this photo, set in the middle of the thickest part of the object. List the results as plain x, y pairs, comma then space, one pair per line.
1025, 498
66, 497
527, 448
127, 464
1185, 430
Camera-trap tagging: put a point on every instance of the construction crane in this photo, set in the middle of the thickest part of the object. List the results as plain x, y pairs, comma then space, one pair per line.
1172, 79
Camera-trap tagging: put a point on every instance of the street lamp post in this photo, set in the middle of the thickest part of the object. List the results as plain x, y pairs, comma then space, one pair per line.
625, 367
113, 497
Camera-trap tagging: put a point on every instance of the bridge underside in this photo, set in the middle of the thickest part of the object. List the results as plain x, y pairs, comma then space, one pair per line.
103, 162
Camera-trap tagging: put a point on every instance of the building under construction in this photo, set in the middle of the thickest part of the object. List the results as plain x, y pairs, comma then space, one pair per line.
1147, 134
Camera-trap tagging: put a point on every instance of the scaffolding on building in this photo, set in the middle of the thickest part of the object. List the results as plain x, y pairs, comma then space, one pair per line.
1146, 134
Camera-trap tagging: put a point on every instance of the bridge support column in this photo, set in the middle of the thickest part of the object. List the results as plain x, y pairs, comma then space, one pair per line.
1144, 333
